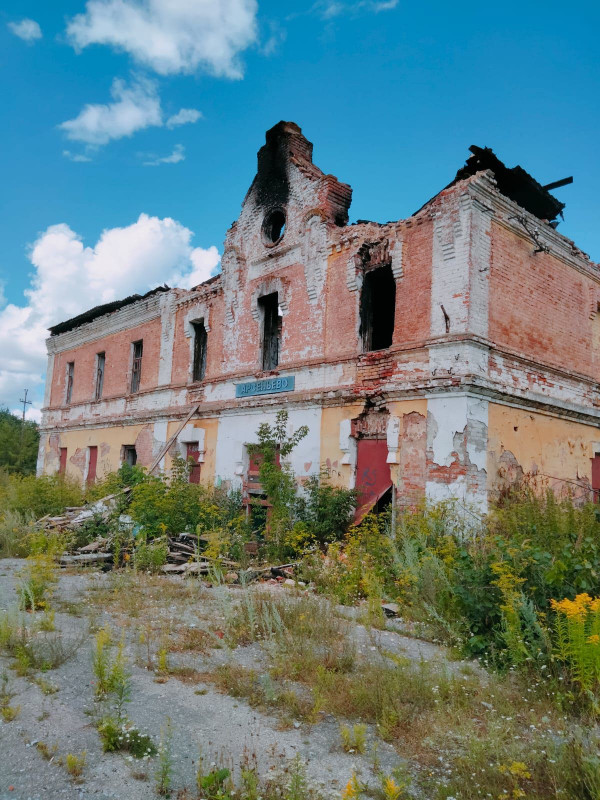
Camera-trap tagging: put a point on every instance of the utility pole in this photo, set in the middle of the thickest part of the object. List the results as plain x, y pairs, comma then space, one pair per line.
26, 403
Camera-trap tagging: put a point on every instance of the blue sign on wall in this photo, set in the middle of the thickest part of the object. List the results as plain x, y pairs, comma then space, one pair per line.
267, 386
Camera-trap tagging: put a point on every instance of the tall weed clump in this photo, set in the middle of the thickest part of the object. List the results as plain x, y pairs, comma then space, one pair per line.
482, 584
577, 636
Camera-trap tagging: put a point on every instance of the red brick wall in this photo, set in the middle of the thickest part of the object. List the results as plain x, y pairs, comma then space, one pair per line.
180, 374
413, 290
538, 305
117, 377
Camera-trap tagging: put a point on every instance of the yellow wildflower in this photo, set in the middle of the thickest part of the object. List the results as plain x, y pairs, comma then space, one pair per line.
352, 790
391, 789
594, 639
519, 770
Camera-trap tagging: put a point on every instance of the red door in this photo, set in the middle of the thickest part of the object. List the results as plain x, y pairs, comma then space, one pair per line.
373, 476
63, 461
193, 455
596, 478
91, 476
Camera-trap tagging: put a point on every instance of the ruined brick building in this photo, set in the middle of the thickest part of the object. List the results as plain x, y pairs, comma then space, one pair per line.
444, 355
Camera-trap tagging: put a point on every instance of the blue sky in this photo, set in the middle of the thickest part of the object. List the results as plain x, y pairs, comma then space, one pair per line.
391, 93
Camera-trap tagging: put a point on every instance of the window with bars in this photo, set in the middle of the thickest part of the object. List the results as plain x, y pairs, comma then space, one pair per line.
70, 377
100, 362
269, 307
136, 367
200, 340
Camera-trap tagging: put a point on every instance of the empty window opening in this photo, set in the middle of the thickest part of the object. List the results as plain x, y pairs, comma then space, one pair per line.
129, 455
378, 308
70, 376
92, 464
136, 368
193, 460
274, 226
100, 362
199, 366
271, 315
62, 464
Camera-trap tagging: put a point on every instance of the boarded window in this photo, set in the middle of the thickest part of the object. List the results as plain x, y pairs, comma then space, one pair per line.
199, 366
62, 466
269, 307
136, 367
92, 463
70, 376
100, 362
193, 460
129, 455
378, 309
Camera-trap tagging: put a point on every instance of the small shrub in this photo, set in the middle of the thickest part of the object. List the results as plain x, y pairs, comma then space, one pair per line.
354, 739
37, 581
46, 751
9, 713
75, 764
122, 736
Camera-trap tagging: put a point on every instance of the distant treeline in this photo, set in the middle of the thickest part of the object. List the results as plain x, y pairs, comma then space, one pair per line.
18, 443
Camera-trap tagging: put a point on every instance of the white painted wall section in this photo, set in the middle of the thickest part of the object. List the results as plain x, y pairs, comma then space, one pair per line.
237, 430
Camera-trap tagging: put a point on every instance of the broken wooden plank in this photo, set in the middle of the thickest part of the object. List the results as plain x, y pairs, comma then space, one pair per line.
85, 558
164, 450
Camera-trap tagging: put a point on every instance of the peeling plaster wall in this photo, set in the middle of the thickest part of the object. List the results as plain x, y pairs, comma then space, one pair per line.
541, 446
457, 449
109, 442
335, 435
236, 430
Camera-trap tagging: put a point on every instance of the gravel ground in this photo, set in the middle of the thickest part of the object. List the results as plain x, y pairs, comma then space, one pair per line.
224, 727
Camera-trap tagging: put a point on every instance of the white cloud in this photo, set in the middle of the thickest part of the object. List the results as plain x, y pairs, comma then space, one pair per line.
135, 107
329, 9
183, 117
75, 156
171, 36
26, 29
69, 278
176, 156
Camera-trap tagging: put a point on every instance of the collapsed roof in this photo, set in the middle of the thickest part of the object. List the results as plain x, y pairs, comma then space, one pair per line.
513, 182
100, 311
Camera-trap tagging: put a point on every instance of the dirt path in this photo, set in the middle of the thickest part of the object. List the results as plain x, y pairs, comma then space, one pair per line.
225, 728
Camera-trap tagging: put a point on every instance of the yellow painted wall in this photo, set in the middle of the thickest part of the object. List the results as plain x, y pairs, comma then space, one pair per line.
108, 441
210, 426
541, 444
331, 455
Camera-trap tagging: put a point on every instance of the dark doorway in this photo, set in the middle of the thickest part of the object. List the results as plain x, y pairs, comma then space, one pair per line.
269, 306
378, 308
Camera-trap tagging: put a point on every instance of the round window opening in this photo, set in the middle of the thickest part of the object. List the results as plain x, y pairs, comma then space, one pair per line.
274, 226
